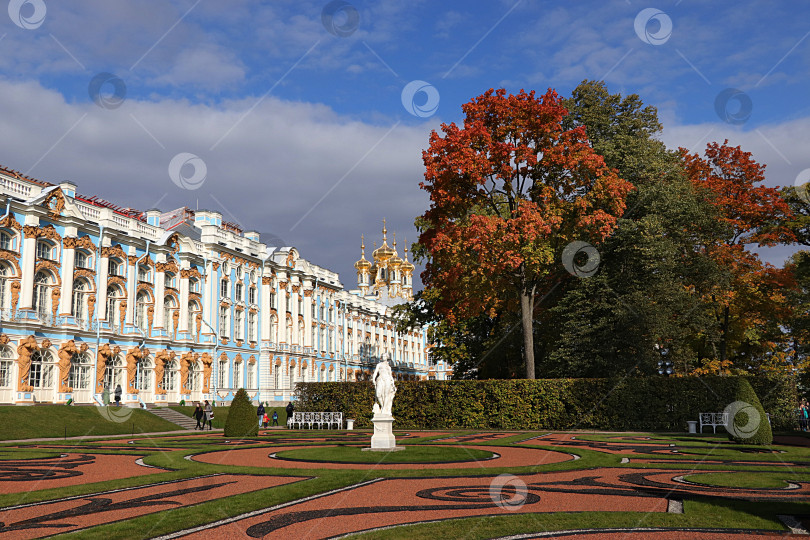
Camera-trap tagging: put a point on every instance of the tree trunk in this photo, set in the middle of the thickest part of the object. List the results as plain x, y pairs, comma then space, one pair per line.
724, 334
526, 315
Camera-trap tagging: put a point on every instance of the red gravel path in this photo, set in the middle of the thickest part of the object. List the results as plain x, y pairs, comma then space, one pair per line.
259, 457
17, 476
89, 510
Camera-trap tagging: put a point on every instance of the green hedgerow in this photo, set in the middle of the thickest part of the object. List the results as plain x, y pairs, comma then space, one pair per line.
747, 421
241, 420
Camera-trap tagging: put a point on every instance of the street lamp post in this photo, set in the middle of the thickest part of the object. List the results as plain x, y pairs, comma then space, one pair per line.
665, 365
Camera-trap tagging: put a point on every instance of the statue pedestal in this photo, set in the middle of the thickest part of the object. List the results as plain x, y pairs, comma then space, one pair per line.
383, 439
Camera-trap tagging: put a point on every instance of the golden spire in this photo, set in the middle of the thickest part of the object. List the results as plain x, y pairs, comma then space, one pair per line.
362, 263
406, 264
385, 252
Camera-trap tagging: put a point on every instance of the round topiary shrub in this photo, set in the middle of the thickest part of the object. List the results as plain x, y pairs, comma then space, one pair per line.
241, 421
747, 422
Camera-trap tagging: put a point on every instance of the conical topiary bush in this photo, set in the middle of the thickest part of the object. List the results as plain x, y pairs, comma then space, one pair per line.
747, 421
241, 421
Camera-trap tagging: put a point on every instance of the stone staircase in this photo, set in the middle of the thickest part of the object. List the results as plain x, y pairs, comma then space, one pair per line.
174, 417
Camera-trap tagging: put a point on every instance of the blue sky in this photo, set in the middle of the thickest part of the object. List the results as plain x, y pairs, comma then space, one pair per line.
296, 108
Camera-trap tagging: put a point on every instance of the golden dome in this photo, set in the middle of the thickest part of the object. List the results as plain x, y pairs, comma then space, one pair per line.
362, 263
406, 264
383, 253
395, 261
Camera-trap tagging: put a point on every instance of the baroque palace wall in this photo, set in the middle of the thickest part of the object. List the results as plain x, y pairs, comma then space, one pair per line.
173, 306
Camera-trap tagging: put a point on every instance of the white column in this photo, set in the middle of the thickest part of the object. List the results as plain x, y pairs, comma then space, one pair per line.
307, 339
183, 323
294, 313
68, 260
160, 292
29, 261
132, 280
264, 312
102, 267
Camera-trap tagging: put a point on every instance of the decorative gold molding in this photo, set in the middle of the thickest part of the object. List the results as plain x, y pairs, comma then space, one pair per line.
295, 288
173, 243
56, 293
49, 265
91, 306
114, 251
207, 361
168, 266
84, 273
192, 272
25, 349
9, 222
267, 280
282, 285
13, 257
215, 266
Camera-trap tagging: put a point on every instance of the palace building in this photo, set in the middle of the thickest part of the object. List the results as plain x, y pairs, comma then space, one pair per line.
180, 305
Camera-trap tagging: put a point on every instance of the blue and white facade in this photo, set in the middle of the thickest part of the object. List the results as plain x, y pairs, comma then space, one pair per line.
172, 306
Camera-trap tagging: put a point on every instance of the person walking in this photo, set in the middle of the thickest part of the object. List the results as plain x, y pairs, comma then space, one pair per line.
804, 415
290, 409
275, 418
118, 393
198, 416
260, 413
209, 415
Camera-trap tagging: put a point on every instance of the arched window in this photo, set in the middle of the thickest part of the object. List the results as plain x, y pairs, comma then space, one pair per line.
115, 295
277, 377
194, 285
169, 307
83, 260
169, 382
273, 329
45, 250
42, 297
42, 367
144, 273
80, 366
6, 241
239, 292
195, 377
141, 305
144, 379
237, 375
288, 337
78, 308
224, 289
239, 324
224, 327
251, 326
193, 311
251, 376
6, 364
115, 268
223, 374
300, 338
114, 374
252, 298
5, 286
170, 280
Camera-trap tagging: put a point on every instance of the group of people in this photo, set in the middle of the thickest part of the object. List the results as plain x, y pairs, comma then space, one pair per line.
804, 415
264, 419
204, 414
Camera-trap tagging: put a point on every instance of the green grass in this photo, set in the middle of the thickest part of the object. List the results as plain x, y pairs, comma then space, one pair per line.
761, 480
411, 454
45, 421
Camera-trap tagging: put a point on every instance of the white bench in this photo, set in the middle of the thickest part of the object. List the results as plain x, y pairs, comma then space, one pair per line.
715, 419
313, 419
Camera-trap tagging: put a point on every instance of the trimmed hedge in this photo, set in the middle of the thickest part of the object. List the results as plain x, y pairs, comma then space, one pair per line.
643, 404
242, 420
747, 423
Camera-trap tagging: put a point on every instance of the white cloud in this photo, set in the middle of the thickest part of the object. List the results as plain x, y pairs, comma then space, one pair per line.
270, 170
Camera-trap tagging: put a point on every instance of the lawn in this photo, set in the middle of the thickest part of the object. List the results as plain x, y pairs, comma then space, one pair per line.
46, 421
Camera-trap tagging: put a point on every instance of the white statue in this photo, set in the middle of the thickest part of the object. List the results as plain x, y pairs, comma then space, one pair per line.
384, 387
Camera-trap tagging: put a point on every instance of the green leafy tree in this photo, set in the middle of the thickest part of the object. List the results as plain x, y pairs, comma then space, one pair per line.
509, 190
241, 421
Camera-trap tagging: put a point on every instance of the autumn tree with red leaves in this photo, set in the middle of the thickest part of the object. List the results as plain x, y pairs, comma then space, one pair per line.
753, 214
509, 190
